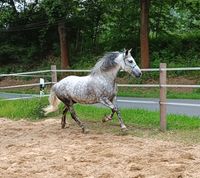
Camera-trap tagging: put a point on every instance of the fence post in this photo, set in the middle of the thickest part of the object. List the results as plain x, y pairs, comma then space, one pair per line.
53, 74
42, 85
163, 92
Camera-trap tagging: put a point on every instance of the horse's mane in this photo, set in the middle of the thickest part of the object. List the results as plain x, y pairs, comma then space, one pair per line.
105, 63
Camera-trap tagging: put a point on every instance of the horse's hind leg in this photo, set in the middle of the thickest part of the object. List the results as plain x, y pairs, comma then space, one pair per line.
63, 120
75, 117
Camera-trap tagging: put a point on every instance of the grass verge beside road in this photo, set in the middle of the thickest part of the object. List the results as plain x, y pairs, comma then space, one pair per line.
32, 109
141, 123
155, 93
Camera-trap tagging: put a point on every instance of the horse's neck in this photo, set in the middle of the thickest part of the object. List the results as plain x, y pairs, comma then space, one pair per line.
111, 75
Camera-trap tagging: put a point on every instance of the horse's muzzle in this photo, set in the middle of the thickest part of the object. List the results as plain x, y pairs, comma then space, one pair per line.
139, 75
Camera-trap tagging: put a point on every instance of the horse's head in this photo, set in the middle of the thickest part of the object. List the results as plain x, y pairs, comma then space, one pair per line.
129, 65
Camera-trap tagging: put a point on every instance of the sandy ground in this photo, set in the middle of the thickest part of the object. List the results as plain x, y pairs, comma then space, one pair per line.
42, 149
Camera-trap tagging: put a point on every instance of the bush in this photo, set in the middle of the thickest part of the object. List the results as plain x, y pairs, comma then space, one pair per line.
176, 51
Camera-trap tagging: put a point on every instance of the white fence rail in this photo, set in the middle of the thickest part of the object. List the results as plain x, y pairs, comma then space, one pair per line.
25, 73
27, 85
74, 70
162, 85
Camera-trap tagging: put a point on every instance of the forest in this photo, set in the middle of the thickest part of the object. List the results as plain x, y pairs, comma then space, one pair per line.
30, 32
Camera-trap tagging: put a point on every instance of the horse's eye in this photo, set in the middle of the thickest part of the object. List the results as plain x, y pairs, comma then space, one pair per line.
130, 62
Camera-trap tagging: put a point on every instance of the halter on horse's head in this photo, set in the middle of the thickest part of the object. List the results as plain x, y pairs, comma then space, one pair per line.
128, 64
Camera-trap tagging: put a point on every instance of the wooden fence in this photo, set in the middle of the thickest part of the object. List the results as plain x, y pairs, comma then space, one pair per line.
162, 85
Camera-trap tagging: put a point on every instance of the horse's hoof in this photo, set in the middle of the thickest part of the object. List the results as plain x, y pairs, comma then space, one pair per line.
124, 129
63, 126
103, 120
107, 118
67, 126
85, 131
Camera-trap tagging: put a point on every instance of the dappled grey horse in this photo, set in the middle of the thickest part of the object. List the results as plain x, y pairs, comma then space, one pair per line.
98, 87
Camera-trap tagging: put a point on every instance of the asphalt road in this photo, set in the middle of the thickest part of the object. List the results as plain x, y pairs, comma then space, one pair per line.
171, 109
125, 102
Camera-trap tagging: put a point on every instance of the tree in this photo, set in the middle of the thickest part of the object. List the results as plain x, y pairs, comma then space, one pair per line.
29, 30
63, 46
144, 33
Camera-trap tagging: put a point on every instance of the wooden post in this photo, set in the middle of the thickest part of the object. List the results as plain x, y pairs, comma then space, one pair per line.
163, 92
53, 74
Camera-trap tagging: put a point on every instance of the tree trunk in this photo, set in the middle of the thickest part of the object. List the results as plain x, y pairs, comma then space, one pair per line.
63, 46
144, 33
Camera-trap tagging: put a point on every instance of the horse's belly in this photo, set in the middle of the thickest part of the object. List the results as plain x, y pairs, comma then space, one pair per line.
85, 99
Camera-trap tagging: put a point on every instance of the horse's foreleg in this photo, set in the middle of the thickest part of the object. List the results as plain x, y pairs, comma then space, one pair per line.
77, 120
123, 127
110, 117
63, 120
114, 108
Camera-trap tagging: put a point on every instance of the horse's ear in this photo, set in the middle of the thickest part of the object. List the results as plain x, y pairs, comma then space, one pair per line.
130, 50
126, 53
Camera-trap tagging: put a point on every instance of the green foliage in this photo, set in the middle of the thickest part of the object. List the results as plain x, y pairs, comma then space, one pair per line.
29, 32
86, 61
176, 51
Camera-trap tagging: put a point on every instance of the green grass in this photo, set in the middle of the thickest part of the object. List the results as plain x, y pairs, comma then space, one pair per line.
32, 109
140, 122
17, 109
141, 118
155, 93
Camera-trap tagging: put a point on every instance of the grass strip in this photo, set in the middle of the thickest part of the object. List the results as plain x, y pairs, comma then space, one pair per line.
141, 123
32, 109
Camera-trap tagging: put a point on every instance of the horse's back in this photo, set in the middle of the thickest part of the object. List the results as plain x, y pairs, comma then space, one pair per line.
76, 88
73, 80
68, 83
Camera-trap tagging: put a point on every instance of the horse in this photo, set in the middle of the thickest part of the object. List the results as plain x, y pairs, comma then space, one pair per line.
97, 87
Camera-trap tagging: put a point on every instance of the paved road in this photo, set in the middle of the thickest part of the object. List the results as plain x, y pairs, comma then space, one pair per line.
13, 95
183, 110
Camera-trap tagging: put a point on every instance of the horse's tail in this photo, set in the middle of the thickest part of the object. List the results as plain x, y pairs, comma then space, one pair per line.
53, 103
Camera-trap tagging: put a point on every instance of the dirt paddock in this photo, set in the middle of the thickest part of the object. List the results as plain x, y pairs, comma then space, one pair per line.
42, 149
